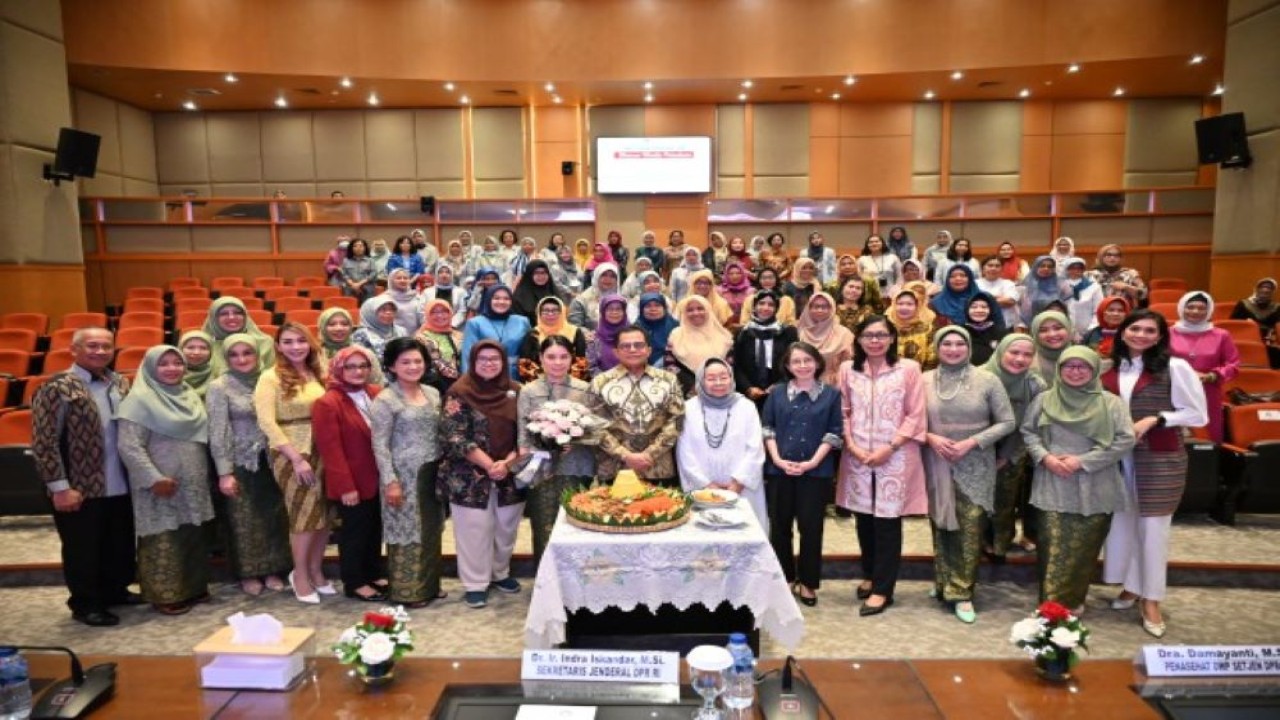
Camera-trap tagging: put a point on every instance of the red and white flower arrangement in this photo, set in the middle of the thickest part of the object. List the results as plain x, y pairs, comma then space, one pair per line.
380, 638
1052, 635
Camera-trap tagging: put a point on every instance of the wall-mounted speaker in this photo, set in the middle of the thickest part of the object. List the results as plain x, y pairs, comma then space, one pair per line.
566, 167
428, 204
76, 156
1223, 140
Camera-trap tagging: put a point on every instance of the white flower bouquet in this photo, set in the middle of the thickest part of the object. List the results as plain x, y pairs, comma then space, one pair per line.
1051, 636
554, 427
376, 642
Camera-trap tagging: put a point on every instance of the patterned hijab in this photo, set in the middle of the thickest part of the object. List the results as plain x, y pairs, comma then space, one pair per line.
174, 411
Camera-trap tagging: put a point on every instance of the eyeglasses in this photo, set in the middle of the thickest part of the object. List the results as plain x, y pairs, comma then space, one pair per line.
357, 366
878, 336
1077, 367
489, 360
639, 345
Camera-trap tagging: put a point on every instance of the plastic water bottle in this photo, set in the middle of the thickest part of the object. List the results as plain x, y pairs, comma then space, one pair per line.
740, 688
15, 685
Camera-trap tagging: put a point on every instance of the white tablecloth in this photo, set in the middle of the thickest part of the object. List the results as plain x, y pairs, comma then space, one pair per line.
686, 565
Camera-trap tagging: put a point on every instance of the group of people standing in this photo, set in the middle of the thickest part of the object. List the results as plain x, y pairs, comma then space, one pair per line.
795, 381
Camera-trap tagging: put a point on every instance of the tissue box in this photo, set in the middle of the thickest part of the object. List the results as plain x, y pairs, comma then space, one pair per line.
224, 665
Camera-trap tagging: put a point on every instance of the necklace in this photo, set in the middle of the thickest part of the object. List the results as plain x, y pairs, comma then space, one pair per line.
715, 439
964, 378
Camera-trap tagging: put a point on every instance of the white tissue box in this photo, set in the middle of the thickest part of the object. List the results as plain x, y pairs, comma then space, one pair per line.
224, 665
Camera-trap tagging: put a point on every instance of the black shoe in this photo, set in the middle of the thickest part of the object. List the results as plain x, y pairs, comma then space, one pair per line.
96, 618
863, 592
867, 610
130, 598
377, 596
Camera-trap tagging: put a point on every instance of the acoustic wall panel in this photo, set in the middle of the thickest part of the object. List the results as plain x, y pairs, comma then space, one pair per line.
986, 146
182, 148
235, 151
339, 144
730, 147
497, 137
438, 141
388, 135
288, 154
780, 139
97, 114
1160, 142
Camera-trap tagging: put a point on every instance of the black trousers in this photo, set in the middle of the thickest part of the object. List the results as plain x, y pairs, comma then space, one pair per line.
360, 544
99, 558
801, 501
881, 543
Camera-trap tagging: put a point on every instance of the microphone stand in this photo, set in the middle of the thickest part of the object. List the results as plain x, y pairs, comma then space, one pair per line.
77, 696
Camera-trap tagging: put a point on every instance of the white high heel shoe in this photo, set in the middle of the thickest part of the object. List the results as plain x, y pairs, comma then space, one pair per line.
312, 599
326, 589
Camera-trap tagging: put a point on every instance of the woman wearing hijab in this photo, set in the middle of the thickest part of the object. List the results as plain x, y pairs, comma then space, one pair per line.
495, 322
163, 441
819, 327
647, 282
936, 253
1011, 365
1041, 287
1101, 337
702, 284
443, 344
914, 325
985, 325
1012, 267
656, 319
859, 299
600, 348
803, 283
699, 338
1162, 394
759, 347
968, 412
574, 467
333, 261
259, 527
767, 279
534, 285
721, 445
912, 272
1052, 333
846, 267
681, 284
878, 263
479, 432
582, 254
492, 255
228, 316
1086, 295
631, 286
1064, 248
565, 272
735, 288
380, 255
755, 247
900, 244
649, 249
1260, 307
600, 255
446, 291
484, 279
406, 258
1116, 279
408, 304
881, 477
282, 401
958, 287
584, 310
454, 256
336, 330
621, 255
1076, 435
518, 265
551, 313
1209, 351
197, 350
776, 256
823, 257
377, 324
716, 256
405, 423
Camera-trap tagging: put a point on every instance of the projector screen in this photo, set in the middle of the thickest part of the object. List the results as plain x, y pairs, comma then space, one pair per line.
653, 165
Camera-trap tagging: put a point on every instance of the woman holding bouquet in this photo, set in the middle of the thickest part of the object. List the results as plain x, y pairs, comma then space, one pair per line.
573, 466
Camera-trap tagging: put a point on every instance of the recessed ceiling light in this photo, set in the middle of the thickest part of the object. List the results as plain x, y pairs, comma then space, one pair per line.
1218, 89
648, 97
747, 83
346, 82
281, 102
835, 96
189, 105
1024, 93
1118, 92
849, 79
1073, 68
231, 77
550, 87
373, 99
556, 100
1196, 59
448, 87
648, 85
928, 95
464, 100
957, 75
742, 97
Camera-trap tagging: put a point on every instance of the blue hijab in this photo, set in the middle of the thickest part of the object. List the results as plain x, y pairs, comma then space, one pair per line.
659, 330
486, 302
950, 303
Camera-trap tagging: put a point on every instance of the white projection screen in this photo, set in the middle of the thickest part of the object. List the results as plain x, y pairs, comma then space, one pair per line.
648, 165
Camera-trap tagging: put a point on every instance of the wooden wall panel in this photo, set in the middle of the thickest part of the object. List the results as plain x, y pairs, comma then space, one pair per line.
1232, 277
875, 165
556, 139
662, 120
1087, 162
51, 289
677, 212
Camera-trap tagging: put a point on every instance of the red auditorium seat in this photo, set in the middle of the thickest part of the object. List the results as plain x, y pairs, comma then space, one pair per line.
137, 293
261, 317
1177, 284
33, 384
130, 359
1160, 297
184, 282
192, 319
57, 361
18, 339
276, 293
1254, 451
16, 363
186, 293
262, 283
151, 305
322, 292
15, 428
223, 283
1240, 330
308, 282
61, 339
36, 322
286, 304
191, 305
244, 293
347, 303
306, 317
140, 319
83, 320
143, 337
1254, 380
1253, 354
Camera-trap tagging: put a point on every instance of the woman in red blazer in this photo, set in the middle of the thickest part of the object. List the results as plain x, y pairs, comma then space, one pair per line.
340, 426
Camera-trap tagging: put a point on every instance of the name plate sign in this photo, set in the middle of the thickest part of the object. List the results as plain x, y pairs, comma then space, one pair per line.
1211, 660
601, 666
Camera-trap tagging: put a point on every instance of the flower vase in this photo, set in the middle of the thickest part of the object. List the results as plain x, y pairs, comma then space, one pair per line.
1055, 669
379, 674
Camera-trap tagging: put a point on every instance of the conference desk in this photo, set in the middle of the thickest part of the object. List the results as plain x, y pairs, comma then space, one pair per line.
166, 687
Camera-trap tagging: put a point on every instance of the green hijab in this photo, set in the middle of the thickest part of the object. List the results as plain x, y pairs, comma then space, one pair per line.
174, 411
331, 347
1020, 388
1083, 410
1046, 362
266, 346
198, 376
250, 378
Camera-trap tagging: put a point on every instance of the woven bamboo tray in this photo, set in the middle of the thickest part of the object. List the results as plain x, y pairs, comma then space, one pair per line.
628, 529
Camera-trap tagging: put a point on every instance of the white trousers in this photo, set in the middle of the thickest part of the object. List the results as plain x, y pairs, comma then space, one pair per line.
485, 539
1137, 553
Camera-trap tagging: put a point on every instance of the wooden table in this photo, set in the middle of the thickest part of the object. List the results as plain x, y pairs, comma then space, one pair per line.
165, 687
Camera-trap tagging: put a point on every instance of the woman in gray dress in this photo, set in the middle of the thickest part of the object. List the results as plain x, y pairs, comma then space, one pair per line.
968, 412
573, 467
255, 508
405, 419
163, 441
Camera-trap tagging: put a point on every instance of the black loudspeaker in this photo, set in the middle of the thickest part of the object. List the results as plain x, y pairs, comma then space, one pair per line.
77, 155
566, 167
428, 204
1223, 140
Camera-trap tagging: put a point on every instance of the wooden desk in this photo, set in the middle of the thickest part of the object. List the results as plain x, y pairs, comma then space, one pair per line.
165, 687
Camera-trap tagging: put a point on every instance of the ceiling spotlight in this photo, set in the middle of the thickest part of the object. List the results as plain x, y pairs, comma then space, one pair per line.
556, 99
1024, 93
1118, 92
957, 75
648, 97
835, 96
928, 95
346, 82
464, 100
231, 77
849, 79
742, 97
1196, 60
189, 105
1218, 89
648, 86
448, 87
281, 102
747, 84
549, 87
1073, 68
373, 99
